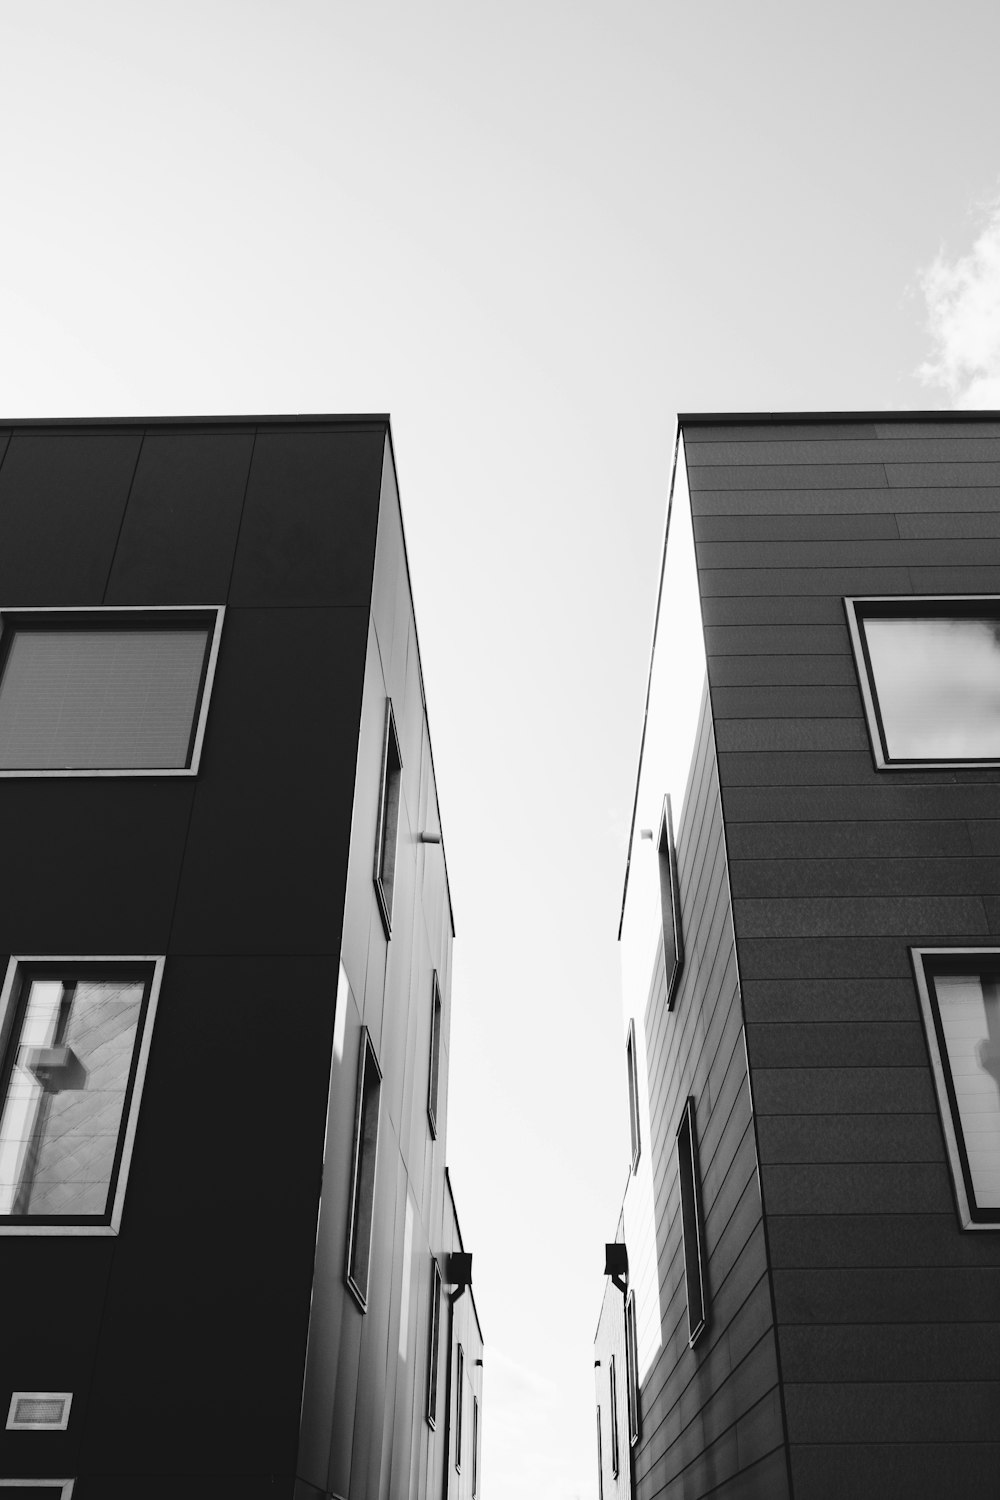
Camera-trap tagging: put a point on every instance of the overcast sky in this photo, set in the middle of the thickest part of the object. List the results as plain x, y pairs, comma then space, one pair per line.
532, 232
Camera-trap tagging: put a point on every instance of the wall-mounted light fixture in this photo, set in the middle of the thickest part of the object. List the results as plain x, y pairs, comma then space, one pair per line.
616, 1266
435, 838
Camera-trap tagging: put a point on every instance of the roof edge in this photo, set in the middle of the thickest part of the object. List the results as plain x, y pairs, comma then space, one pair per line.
749, 418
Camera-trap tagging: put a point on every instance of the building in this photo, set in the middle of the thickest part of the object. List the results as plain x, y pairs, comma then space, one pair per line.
803, 1294
230, 1250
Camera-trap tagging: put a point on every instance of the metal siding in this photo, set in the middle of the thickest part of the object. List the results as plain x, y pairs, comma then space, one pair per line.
835, 870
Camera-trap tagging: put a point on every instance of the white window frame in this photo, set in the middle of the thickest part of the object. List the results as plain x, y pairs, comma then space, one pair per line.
8, 997
39, 1484
670, 901
689, 1183
907, 606
15, 1426
367, 1054
434, 1070
385, 881
634, 1120
74, 613
970, 1217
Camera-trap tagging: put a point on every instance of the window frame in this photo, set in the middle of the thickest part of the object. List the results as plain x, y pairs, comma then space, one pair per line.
926, 961
692, 1222
66, 1491
434, 1344
632, 1370
61, 1426
459, 1405
859, 607
366, 1055
615, 1446
475, 1445
633, 1095
207, 615
670, 903
10, 997
600, 1457
390, 792
434, 1069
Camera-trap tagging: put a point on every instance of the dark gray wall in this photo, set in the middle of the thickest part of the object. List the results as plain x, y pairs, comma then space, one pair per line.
711, 1415
889, 1315
183, 1338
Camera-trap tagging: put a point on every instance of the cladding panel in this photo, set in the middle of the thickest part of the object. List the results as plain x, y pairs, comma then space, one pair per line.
838, 868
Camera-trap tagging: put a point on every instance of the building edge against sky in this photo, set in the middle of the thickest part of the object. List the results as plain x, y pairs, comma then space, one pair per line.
811, 1305
276, 1302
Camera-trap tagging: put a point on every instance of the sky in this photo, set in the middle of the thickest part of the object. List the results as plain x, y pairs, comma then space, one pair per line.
533, 233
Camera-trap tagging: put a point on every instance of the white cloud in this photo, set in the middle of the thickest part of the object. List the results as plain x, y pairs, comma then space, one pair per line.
963, 311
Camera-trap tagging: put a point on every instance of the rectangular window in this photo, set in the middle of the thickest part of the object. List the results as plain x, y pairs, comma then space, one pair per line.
633, 1095
632, 1369
960, 1001
692, 1223
600, 1457
929, 671
670, 904
614, 1416
432, 1344
36, 1489
105, 691
459, 1406
475, 1447
388, 819
359, 1239
435, 1057
74, 1039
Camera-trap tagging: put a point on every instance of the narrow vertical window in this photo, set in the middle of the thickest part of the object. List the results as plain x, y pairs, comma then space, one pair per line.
435, 1057
388, 819
632, 1369
600, 1457
633, 1095
614, 1417
960, 1000
74, 1037
359, 1241
692, 1223
670, 905
433, 1339
459, 1403
475, 1448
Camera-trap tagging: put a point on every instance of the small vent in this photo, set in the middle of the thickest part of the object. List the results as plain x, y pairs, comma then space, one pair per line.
39, 1410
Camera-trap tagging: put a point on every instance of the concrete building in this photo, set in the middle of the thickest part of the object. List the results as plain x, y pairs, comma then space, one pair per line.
228, 1240
803, 1295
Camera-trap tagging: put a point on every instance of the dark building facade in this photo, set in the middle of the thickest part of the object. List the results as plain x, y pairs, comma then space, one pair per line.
811, 957
229, 1242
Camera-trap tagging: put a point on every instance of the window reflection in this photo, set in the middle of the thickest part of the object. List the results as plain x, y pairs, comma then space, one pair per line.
969, 1011
65, 1078
937, 684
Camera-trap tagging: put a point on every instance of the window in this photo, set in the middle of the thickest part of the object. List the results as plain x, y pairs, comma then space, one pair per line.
359, 1239
929, 671
475, 1447
691, 1221
39, 1411
119, 692
632, 1369
633, 1095
614, 1417
670, 905
36, 1489
388, 819
960, 1000
435, 1059
600, 1457
459, 1405
74, 1039
432, 1344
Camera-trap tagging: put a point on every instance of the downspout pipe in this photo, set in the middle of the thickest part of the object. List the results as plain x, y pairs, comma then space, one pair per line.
457, 1273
